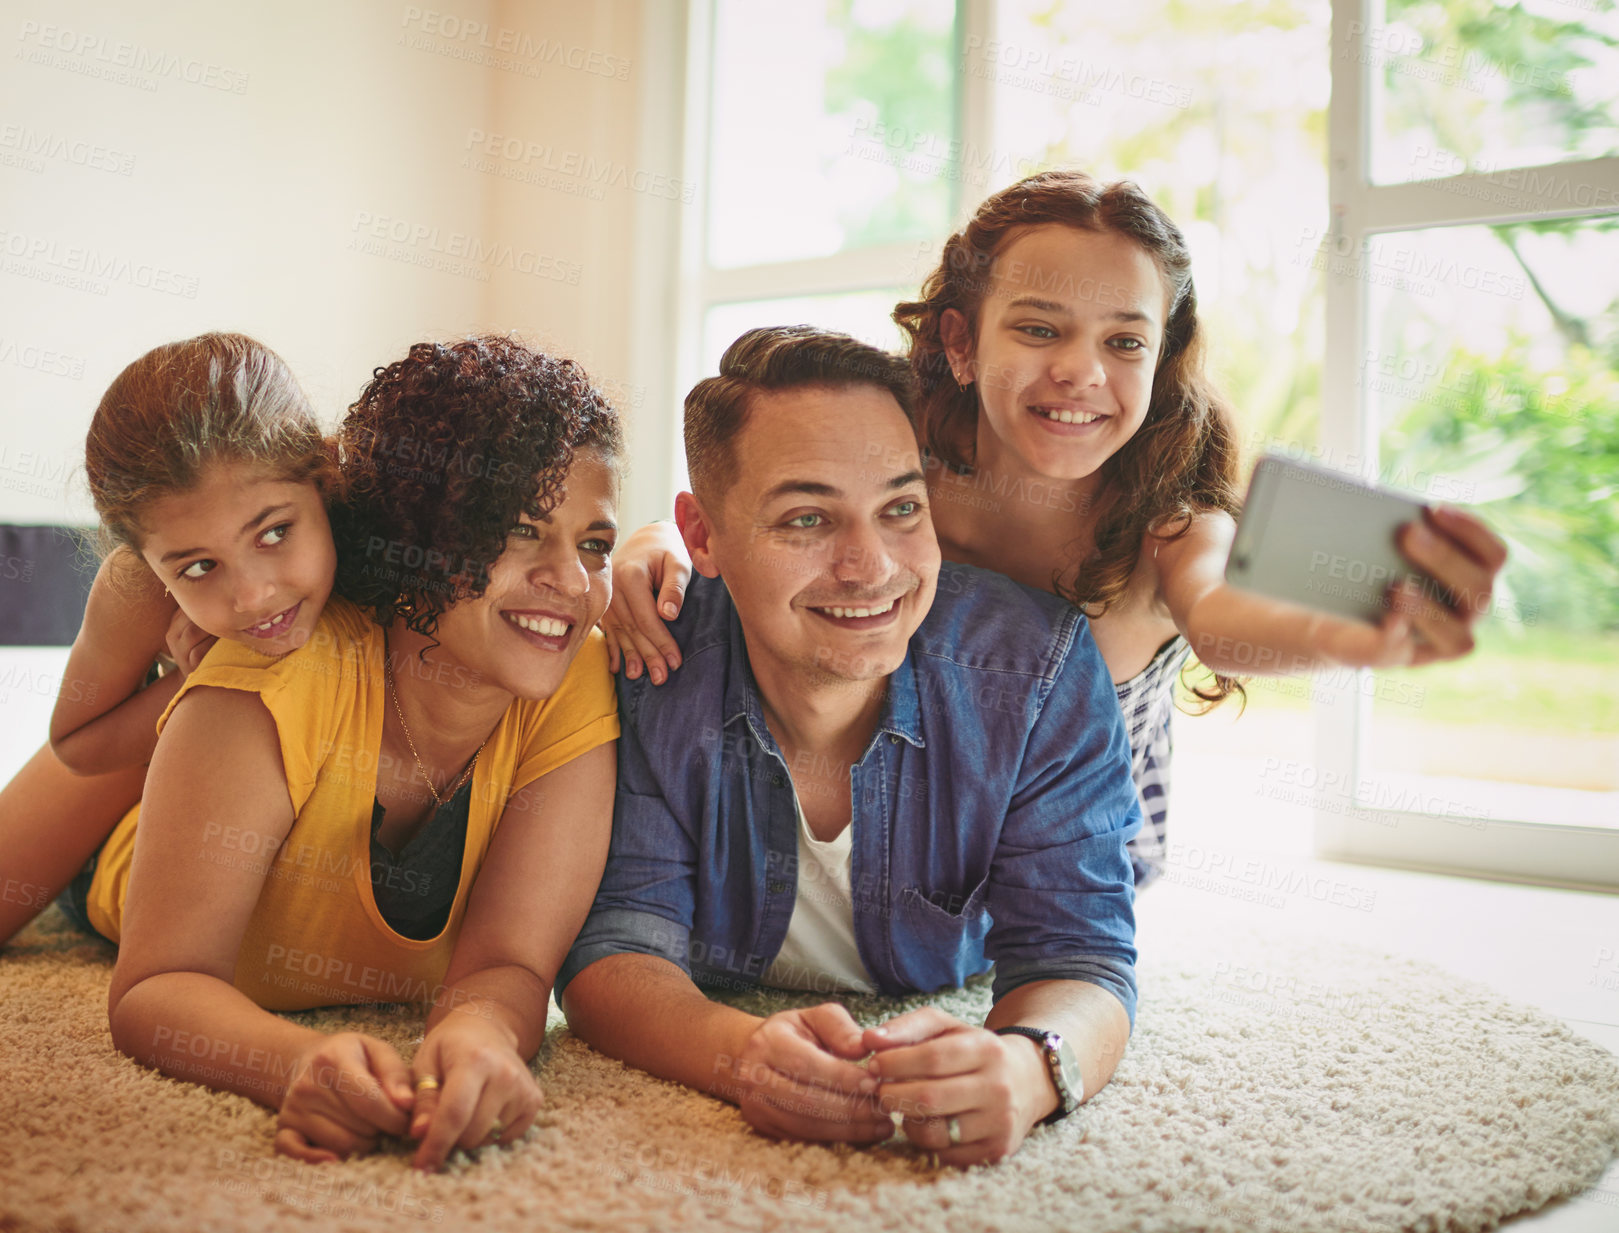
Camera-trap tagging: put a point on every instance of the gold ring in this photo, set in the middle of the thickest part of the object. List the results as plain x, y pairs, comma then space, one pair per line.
426, 1084
495, 1131
953, 1127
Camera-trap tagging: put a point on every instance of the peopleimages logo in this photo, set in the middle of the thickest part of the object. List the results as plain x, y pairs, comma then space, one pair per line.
89, 269
401, 239
95, 54
550, 166
33, 358
501, 47
33, 147
1028, 65
1226, 872
1397, 48
1509, 183
35, 472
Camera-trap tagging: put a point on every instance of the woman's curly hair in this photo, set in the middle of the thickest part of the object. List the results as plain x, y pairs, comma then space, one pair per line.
442, 452
1182, 461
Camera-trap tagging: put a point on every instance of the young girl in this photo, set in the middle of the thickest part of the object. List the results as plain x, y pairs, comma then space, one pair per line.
210, 474
1075, 445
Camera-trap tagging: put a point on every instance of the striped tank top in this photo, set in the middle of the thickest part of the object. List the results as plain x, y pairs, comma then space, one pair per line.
1147, 701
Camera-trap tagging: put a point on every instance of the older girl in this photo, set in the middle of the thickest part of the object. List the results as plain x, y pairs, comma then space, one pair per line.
1076, 446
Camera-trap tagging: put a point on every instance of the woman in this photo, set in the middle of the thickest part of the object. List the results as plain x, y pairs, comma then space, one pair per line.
413, 806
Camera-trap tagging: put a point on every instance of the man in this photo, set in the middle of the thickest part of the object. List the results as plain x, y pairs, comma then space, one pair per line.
873, 774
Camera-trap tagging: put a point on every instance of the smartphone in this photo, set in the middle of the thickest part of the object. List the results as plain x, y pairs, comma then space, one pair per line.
1320, 538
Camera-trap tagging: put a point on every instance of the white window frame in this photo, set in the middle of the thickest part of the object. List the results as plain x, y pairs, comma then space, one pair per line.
702, 287
667, 362
1568, 855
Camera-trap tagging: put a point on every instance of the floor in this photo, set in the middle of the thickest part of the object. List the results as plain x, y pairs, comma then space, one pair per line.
1554, 949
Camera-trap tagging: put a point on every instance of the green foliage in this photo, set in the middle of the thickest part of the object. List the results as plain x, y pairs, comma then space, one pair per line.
1474, 50
1265, 329
897, 79
1541, 452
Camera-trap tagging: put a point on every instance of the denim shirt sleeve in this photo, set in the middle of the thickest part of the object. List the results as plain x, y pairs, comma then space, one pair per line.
1061, 890
645, 902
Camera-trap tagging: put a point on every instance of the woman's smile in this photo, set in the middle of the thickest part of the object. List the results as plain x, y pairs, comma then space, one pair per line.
548, 630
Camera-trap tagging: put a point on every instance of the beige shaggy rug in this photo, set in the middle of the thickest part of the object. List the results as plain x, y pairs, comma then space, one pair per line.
1329, 1089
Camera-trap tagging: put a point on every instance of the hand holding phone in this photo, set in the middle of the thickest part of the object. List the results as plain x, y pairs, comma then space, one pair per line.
1315, 537
1322, 539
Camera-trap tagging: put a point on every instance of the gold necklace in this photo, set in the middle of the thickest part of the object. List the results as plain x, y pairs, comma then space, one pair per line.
393, 693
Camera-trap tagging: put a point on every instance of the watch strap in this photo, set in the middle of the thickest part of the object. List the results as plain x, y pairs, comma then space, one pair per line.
1051, 1044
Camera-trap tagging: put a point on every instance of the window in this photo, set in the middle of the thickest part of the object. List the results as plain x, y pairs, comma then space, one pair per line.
825, 167
1472, 275
1473, 339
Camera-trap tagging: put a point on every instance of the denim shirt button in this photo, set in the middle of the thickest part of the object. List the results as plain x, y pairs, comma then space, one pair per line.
892, 739
776, 887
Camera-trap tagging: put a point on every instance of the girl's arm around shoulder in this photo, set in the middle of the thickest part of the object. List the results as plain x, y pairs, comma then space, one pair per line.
651, 570
103, 719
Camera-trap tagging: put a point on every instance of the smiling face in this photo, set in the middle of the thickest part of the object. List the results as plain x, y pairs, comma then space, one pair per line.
546, 591
824, 539
1068, 338
246, 556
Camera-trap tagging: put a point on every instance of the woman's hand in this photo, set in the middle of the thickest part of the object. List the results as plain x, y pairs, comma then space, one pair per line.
651, 563
346, 1090
472, 1088
187, 643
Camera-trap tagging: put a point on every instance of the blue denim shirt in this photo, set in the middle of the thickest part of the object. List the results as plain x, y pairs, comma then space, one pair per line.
991, 807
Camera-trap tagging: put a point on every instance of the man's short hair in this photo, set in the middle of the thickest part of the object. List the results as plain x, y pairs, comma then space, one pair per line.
779, 357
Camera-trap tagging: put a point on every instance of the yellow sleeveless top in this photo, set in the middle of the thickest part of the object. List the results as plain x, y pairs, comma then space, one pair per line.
316, 937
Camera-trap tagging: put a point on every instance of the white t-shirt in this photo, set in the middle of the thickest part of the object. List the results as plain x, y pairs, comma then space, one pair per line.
820, 955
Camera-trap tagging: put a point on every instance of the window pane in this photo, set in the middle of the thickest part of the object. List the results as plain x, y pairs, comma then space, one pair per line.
1494, 379
863, 314
832, 124
1470, 85
1219, 114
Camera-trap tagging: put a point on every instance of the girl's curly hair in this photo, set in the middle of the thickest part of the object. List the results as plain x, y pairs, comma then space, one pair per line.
1182, 461
442, 452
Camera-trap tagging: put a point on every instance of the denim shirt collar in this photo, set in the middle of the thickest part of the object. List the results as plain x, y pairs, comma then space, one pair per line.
901, 715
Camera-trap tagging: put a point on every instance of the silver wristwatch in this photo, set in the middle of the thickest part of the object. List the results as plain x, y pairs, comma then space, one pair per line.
1065, 1075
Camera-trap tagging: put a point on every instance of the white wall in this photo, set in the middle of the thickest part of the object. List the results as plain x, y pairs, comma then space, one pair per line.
286, 170
587, 168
